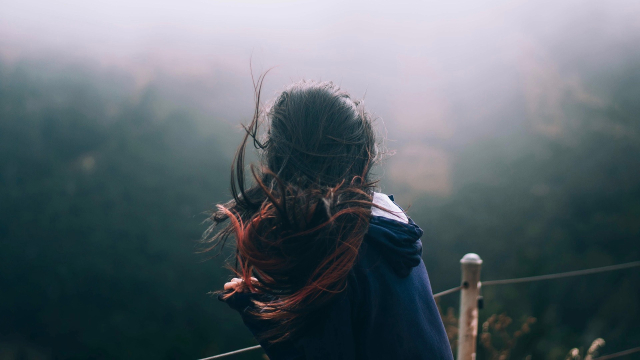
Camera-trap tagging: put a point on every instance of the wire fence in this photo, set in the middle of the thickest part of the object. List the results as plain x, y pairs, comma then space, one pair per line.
505, 282
232, 353
447, 292
562, 275
618, 354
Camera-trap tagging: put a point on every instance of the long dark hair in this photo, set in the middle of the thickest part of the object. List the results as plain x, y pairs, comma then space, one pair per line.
299, 227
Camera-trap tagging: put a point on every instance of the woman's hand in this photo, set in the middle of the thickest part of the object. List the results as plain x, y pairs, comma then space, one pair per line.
235, 282
237, 294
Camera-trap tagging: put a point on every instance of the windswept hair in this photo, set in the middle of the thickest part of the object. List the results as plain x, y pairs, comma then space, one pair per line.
299, 226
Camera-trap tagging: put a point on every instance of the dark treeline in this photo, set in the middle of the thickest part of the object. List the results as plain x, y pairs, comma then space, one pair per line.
103, 189
534, 204
101, 207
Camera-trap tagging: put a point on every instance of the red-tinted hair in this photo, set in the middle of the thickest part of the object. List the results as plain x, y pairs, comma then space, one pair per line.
299, 227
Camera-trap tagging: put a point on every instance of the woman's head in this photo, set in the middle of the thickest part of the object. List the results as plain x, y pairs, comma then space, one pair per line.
299, 226
317, 133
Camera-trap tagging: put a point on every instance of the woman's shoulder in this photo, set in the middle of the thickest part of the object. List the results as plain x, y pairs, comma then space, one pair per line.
389, 269
393, 310
392, 237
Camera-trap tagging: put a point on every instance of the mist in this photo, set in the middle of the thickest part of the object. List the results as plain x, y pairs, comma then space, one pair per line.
439, 74
512, 129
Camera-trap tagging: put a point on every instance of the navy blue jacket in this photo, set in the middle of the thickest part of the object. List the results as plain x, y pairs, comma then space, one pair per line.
387, 312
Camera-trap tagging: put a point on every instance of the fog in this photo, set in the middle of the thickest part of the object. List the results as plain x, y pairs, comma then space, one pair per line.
514, 126
440, 75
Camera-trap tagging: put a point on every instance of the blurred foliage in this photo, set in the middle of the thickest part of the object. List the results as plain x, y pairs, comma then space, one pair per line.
103, 189
590, 354
101, 200
533, 204
497, 337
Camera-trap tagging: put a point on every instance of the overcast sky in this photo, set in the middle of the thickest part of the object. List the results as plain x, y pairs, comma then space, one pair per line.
437, 72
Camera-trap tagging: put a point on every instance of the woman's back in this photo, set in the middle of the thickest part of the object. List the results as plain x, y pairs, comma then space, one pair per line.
387, 311
326, 267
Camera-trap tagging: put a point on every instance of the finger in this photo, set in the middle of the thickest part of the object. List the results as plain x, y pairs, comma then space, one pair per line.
231, 285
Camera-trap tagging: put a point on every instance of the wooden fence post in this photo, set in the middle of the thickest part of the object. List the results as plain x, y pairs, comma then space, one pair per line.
468, 325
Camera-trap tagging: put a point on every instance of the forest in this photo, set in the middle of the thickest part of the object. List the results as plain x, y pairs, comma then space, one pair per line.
104, 190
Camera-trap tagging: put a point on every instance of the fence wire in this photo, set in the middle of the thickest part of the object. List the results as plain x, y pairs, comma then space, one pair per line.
562, 275
232, 353
504, 282
618, 354
446, 292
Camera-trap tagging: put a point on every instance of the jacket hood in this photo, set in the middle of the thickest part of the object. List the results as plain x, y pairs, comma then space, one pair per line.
397, 242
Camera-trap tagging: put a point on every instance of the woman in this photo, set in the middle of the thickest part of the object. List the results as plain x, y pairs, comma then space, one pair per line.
326, 267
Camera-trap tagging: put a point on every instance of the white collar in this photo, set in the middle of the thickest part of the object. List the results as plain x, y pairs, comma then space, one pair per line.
394, 213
